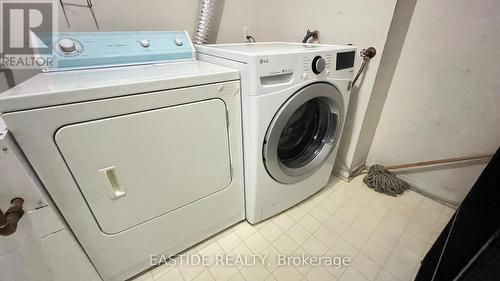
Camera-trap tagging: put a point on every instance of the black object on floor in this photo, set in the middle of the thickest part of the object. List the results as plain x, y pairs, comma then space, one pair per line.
469, 246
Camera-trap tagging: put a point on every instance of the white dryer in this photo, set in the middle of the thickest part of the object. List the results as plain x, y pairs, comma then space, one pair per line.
294, 102
138, 145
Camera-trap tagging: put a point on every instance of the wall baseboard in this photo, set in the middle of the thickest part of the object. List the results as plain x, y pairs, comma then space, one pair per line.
429, 192
341, 173
417, 186
347, 175
358, 169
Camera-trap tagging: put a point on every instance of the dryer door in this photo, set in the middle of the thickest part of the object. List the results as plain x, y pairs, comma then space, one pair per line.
136, 167
303, 132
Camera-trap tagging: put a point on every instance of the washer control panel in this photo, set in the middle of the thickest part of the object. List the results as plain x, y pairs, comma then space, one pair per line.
276, 71
78, 50
316, 65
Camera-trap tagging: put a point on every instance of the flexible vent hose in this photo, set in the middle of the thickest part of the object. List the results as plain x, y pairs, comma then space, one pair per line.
204, 22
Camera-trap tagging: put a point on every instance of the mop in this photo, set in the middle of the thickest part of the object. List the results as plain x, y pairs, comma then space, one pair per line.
381, 179
385, 181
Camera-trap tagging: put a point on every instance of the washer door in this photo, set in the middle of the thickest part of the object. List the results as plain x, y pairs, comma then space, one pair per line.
303, 132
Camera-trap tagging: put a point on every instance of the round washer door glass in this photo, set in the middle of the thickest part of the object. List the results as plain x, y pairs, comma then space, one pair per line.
303, 132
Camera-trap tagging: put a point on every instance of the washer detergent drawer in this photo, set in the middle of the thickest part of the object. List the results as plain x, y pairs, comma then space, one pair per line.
136, 167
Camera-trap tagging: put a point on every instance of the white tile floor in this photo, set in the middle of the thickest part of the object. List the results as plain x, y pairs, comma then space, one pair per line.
386, 238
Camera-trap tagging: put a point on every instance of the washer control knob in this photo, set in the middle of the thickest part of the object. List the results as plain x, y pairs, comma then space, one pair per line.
67, 46
318, 64
145, 43
178, 42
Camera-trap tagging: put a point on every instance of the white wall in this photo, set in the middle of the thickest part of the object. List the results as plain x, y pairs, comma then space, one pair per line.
444, 100
388, 63
234, 16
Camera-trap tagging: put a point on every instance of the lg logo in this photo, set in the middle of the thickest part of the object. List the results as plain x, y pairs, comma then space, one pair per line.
262, 61
27, 27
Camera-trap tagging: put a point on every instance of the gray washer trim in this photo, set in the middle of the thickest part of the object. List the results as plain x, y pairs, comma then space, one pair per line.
281, 173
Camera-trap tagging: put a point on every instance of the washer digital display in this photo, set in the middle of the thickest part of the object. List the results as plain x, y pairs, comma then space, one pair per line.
345, 60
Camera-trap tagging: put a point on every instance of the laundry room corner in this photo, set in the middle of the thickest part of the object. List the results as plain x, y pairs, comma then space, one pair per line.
249, 140
447, 96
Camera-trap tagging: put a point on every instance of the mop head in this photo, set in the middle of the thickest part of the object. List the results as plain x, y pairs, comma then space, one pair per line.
384, 181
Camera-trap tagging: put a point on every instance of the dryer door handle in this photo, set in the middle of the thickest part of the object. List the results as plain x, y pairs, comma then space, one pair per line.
115, 190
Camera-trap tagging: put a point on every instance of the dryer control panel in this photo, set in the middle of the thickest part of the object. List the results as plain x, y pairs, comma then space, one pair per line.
78, 50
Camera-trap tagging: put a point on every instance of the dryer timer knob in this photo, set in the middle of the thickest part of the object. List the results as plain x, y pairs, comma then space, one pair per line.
318, 64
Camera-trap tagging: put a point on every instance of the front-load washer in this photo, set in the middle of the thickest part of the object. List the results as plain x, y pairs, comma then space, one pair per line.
294, 102
138, 145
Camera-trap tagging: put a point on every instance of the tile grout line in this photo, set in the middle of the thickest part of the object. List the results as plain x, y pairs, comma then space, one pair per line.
399, 238
315, 201
306, 212
361, 248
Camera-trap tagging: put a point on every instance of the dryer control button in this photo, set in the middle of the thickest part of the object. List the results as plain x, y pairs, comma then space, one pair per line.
178, 42
145, 43
68, 46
